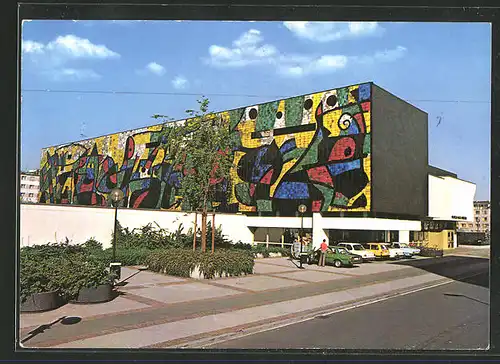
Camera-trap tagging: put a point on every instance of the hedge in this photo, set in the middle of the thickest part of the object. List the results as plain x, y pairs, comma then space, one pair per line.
261, 249
182, 262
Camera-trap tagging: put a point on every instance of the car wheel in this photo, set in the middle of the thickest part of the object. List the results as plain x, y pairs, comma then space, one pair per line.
337, 264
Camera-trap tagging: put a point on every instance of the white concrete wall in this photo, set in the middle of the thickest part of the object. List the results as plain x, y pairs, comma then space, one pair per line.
49, 223
404, 236
449, 197
367, 223
40, 224
319, 233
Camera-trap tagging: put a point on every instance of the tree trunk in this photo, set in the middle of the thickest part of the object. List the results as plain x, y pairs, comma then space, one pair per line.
195, 229
203, 231
213, 233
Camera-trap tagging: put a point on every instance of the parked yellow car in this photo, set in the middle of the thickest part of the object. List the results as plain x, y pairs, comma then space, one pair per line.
379, 249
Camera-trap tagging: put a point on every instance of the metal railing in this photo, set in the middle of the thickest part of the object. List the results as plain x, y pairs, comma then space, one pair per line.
273, 243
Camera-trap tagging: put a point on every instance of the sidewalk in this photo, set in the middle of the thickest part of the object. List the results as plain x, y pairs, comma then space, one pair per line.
475, 251
155, 310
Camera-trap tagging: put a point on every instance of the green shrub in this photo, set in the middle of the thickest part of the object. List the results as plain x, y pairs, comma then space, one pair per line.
53, 268
52, 250
242, 246
181, 262
261, 249
81, 272
426, 251
278, 249
37, 275
177, 262
92, 246
152, 236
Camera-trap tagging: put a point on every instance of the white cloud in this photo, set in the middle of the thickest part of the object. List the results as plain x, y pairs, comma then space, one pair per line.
156, 68
76, 47
73, 74
67, 47
388, 55
331, 31
245, 51
180, 82
53, 57
250, 50
29, 46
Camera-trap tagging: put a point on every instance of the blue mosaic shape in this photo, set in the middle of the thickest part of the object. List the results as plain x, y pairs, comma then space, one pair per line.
292, 191
338, 168
364, 92
288, 146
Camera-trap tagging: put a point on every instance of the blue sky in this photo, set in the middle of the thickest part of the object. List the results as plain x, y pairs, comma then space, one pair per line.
428, 64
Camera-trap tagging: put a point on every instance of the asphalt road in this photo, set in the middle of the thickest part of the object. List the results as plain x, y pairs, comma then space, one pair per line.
452, 316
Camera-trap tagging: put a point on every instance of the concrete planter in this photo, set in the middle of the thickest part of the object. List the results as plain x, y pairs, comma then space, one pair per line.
431, 253
102, 293
39, 302
196, 274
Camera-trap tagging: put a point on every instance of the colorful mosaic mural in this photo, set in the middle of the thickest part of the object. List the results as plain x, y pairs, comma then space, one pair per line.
313, 149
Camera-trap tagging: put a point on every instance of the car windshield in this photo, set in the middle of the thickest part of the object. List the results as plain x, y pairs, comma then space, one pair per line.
383, 247
342, 251
403, 245
358, 247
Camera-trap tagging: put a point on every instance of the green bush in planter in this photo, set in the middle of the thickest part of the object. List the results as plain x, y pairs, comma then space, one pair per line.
226, 262
278, 249
426, 251
177, 262
37, 275
181, 262
54, 268
80, 272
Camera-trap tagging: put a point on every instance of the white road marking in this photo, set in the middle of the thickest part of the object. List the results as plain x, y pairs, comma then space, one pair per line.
370, 302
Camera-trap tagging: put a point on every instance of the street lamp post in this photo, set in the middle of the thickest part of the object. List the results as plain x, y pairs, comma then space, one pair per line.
302, 208
116, 195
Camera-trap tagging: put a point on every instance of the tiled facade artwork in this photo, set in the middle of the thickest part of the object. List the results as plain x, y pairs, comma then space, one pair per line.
313, 149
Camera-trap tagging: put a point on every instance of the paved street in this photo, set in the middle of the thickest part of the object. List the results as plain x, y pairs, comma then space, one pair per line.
451, 316
159, 311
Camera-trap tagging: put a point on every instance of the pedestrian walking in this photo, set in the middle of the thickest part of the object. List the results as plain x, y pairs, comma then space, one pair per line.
322, 257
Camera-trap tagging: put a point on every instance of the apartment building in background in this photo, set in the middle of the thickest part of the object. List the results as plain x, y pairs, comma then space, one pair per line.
30, 186
481, 219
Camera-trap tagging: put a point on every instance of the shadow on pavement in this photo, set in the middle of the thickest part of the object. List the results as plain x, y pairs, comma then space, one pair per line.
65, 320
447, 266
466, 297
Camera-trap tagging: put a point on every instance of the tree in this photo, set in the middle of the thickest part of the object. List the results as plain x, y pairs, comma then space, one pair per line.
202, 148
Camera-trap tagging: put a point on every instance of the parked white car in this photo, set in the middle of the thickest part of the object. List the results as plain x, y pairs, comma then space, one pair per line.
394, 253
415, 251
358, 249
404, 248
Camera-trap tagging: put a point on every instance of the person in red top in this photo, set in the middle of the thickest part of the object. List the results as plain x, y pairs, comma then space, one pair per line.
322, 258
